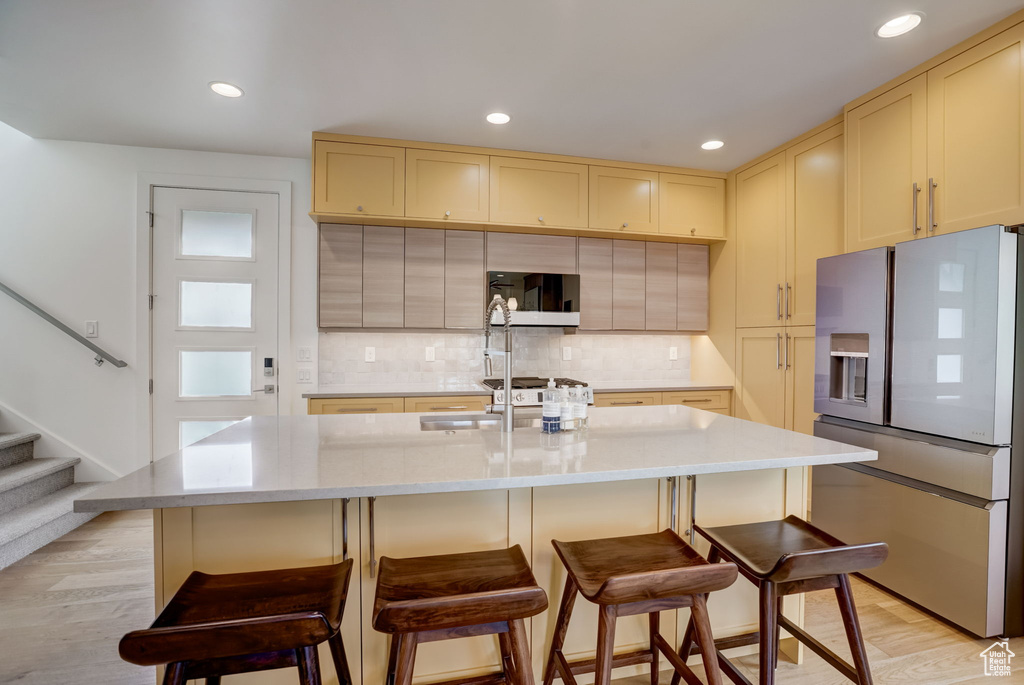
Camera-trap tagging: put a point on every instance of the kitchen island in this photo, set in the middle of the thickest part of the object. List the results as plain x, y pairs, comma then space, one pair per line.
303, 490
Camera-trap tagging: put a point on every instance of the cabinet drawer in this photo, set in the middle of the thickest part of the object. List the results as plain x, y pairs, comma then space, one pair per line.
714, 400
358, 405
626, 399
420, 405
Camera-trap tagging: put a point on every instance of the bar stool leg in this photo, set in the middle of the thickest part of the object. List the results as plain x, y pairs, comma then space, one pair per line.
687, 644
561, 626
213, 680
705, 640
340, 659
308, 662
849, 613
778, 627
406, 658
766, 634
174, 673
396, 641
508, 666
605, 644
520, 652
655, 620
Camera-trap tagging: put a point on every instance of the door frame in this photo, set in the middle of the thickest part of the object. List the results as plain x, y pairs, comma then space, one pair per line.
147, 182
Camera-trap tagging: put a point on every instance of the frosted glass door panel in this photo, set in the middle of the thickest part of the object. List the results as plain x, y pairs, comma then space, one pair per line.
194, 431
224, 235
953, 335
215, 305
216, 373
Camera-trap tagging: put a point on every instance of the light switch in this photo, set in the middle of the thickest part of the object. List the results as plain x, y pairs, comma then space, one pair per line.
371, 354
92, 329
304, 354
305, 376
566, 353
429, 354
673, 354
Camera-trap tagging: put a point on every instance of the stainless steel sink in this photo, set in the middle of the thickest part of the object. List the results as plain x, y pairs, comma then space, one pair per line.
462, 422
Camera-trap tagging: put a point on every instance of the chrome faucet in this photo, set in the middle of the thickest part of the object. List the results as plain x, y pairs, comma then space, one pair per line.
507, 419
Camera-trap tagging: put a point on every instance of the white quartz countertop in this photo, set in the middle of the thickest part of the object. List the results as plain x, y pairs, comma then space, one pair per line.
278, 459
468, 388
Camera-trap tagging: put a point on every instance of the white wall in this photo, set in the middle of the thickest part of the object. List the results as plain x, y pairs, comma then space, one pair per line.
68, 234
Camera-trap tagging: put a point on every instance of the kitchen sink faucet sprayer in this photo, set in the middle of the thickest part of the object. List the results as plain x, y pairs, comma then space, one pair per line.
507, 419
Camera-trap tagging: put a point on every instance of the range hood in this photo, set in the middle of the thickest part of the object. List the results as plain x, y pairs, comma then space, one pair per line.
536, 299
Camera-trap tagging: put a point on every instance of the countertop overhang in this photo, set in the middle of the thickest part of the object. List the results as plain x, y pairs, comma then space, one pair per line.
293, 458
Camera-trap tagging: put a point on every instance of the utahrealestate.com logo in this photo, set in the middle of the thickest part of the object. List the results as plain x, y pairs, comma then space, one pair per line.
997, 659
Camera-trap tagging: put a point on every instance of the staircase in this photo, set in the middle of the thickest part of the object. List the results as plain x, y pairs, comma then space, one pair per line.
36, 497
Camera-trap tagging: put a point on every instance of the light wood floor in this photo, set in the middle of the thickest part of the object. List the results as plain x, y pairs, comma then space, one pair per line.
64, 608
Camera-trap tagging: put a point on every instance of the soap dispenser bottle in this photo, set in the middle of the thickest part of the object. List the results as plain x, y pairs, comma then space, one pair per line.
551, 409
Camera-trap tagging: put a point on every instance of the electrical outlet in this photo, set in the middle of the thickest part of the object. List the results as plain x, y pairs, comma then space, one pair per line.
429, 355
371, 354
92, 329
566, 353
305, 376
304, 354
673, 354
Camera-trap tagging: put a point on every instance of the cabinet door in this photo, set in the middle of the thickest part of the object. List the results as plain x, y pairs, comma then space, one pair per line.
383, 277
424, 278
799, 360
446, 185
814, 217
628, 285
692, 205
886, 145
422, 525
760, 376
464, 279
662, 276
340, 278
761, 242
595, 262
975, 135
364, 180
538, 193
623, 199
692, 288
542, 254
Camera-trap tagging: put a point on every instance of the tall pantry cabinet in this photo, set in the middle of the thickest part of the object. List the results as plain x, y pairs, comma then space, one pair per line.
789, 213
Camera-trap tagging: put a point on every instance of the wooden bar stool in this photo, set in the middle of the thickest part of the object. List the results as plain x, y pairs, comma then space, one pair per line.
424, 599
638, 574
789, 557
217, 625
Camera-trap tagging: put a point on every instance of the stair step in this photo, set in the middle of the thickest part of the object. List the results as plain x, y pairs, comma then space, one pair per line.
28, 481
34, 525
16, 448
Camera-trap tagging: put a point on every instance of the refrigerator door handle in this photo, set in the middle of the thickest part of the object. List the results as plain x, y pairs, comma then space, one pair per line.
932, 224
917, 191
778, 353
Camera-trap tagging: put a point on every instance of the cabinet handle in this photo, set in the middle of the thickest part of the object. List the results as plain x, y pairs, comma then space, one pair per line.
342, 410
788, 289
778, 352
674, 482
787, 350
693, 231
344, 529
373, 547
633, 402
932, 185
359, 208
540, 218
691, 486
706, 399
460, 406
448, 213
625, 224
913, 201
778, 303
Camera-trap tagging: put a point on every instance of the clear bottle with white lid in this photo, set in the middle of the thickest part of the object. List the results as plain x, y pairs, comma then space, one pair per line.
551, 409
566, 409
579, 413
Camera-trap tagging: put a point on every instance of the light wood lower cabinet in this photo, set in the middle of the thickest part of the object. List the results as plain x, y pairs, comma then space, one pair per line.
357, 405
627, 399
422, 405
718, 401
775, 376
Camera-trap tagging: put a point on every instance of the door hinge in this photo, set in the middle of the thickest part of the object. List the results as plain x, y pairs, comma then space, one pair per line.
151, 302
150, 386
150, 218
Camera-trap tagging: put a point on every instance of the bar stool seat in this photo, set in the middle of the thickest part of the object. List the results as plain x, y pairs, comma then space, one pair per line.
626, 576
224, 624
423, 599
784, 558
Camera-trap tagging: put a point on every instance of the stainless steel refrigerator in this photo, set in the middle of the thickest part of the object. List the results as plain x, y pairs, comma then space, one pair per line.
916, 356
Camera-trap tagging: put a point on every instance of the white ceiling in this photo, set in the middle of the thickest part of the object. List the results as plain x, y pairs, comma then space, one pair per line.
638, 80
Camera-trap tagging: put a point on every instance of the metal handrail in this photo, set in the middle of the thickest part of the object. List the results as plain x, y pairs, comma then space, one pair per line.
101, 354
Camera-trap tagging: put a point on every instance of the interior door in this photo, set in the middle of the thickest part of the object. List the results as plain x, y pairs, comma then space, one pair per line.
214, 317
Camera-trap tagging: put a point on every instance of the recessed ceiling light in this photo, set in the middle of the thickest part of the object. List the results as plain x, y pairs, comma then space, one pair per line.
712, 145
228, 90
498, 118
897, 26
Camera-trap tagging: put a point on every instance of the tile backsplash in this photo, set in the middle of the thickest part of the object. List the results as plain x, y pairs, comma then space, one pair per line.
458, 357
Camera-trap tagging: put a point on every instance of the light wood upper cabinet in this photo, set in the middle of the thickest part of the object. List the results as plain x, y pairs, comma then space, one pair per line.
814, 218
886, 148
693, 272
340, 278
623, 199
424, 278
595, 262
975, 135
538, 193
464, 279
531, 253
761, 242
362, 180
662, 274
628, 285
383, 277
691, 205
446, 185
